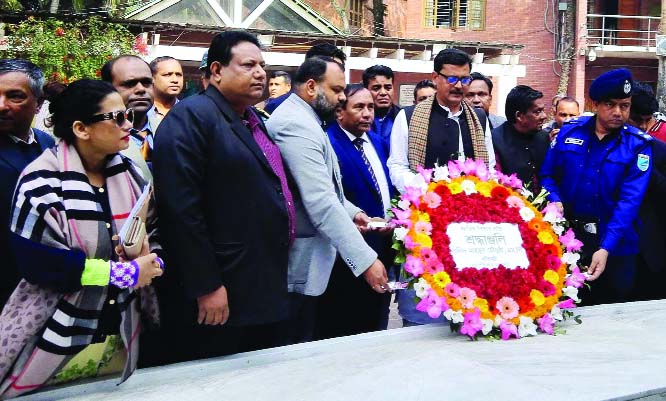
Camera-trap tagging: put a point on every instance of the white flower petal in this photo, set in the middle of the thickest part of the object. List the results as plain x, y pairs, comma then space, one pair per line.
526, 213
421, 287
487, 326
454, 316
468, 187
526, 327
399, 233
570, 258
556, 313
571, 292
403, 204
441, 173
417, 181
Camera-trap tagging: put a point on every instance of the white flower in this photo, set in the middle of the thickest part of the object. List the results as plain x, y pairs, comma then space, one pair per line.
468, 187
403, 204
526, 213
399, 233
421, 287
417, 181
526, 327
487, 326
498, 320
454, 316
571, 292
441, 173
570, 258
556, 313
526, 193
559, 230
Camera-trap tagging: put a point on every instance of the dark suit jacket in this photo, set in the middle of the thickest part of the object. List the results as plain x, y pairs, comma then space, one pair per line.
223, 218
357, 182
652, 213
12, 161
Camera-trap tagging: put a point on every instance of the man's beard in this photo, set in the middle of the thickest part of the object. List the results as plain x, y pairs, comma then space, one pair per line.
324, 109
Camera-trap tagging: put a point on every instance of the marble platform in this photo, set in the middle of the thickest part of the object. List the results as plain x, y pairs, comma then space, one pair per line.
618, 353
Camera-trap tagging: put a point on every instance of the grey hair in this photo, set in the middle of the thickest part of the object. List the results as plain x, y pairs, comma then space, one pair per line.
34, 73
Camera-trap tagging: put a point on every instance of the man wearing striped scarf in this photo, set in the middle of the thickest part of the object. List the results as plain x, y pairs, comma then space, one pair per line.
442, 127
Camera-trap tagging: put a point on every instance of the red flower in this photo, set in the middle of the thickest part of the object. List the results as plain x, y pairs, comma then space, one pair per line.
59, 32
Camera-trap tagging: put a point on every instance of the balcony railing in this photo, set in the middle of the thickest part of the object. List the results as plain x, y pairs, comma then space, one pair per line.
622, 30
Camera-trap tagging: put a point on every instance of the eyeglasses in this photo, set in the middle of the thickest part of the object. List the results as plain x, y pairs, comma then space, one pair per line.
454, 80
118, 116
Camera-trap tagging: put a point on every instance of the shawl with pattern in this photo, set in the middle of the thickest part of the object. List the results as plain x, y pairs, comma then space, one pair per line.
418, 133
54, 204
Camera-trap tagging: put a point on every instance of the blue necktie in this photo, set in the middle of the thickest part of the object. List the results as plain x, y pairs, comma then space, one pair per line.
358, 142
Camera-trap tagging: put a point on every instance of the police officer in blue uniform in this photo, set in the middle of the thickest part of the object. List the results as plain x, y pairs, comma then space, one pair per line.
597, 170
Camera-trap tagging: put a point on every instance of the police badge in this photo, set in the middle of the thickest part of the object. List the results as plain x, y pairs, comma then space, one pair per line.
643, 162
627, 87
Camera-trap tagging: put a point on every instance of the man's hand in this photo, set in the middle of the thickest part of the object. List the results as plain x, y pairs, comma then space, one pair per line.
376, 277
361, 220
213, 307
598, 264
559, 206
384, 230
553, 134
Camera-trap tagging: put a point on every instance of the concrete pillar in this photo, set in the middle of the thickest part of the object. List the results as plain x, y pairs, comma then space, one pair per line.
577, 84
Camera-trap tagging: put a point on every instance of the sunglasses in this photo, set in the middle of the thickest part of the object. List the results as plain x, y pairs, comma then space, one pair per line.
118, 116
454, 80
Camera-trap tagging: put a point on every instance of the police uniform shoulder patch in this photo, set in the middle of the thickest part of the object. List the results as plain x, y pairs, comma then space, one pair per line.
643, 162
574, 141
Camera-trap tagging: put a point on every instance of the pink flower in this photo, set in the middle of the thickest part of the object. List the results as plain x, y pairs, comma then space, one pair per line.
409, 243
553, 262
413, 265
453, 290
401, 216
469, 167
426, 173
510, 180
507, 307
454, 168
576, 279
472, 323
508, 329
546, 323
423, 227
413, 195
514, 201
551, 208
568, 304
570, 242
432, 304
467, 297
430, 258
432, 200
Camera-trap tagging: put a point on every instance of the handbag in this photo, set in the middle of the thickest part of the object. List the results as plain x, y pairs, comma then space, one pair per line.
133, 233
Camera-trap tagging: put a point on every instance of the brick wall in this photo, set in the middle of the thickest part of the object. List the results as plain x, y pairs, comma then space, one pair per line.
508, 21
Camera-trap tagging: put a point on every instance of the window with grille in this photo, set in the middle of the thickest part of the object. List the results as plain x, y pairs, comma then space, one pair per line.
455, 14
356, 13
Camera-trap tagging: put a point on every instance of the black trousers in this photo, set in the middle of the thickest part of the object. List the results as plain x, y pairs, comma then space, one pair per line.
349, 306
616, 283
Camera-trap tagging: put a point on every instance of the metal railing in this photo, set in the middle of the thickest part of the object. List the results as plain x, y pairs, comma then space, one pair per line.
622, 30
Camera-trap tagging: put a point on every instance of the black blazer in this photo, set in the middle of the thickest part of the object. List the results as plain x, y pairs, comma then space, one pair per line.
12, 161
223, 217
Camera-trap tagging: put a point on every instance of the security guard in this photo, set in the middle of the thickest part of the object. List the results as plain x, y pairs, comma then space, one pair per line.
597, 170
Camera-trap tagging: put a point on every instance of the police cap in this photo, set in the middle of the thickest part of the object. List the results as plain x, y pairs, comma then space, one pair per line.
614, 84
204, 61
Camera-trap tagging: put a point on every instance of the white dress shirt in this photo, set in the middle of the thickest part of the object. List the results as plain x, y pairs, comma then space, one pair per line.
31, 138
377, 168
398, 162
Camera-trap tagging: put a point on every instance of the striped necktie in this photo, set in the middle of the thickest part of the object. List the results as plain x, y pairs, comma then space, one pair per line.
358, 142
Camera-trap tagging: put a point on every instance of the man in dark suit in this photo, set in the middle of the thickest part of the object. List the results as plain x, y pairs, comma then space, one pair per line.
21, 85
349, 306
226, 211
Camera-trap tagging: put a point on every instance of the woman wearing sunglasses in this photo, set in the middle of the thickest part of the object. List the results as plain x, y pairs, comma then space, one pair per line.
78, 298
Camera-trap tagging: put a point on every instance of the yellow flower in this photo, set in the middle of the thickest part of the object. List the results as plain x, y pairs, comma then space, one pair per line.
552, 277
545, 237
442, 279
455, 188
482, 304
432, 186
537, 297
484, 188
423, 240
424, 217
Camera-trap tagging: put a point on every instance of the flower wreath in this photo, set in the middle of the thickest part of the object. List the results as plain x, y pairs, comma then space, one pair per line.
502, 301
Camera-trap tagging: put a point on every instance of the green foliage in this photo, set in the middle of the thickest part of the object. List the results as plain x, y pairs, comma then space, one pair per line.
10, 5
67, 51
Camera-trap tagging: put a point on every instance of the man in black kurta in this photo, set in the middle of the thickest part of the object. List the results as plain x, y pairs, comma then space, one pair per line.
520, 144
